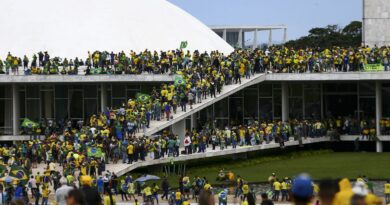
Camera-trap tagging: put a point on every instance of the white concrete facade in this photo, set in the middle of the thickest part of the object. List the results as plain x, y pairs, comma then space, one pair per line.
376, 22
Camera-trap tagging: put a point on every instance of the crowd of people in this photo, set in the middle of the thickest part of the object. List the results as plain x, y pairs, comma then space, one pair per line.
275, 59
107, 190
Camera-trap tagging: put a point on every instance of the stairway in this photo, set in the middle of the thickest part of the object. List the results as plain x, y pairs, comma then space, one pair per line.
227, 90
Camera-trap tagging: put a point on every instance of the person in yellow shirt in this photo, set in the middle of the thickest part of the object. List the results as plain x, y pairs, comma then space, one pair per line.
108, 199
148, 194
130, 152
178, 197
277, 186
45, 194
245, 191
284, 188
387, 192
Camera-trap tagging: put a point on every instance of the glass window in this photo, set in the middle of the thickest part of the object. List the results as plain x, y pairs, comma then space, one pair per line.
118, 91
367, 108
386, 101
90, 107
47, 104
251, 104
90, 91
340, 87
277, 98
22, 104
61, 91
76, 104
236, 110
6, 116
265, 90
340, 105
33, 110
312, 104
61, 109
366, 89
221, 108
32, 91
6, 91
265, 108
295, 90
116, 103
221, 123
295, 108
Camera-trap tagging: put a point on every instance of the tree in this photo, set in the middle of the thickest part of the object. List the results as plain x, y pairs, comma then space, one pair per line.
331, 35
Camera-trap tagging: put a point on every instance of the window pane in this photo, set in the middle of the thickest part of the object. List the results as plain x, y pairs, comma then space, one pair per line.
295, 108
76, 104
33, 110
118, 91
277, 104
61, 109
5, 116
221, 108
312, 104
265, 108
61, 91
265, 90
47, 104
295, 90
32, 91
90, 107
236, 110
90, 91
251, 104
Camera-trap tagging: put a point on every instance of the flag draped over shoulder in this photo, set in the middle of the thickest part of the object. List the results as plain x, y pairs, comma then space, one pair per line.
19, 172
141, 97
94, 152
179, 80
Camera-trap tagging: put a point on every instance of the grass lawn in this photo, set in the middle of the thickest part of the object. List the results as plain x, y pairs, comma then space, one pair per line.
319, 164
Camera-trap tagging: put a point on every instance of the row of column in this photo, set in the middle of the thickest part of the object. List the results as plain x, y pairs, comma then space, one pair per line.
378, 109
240, 39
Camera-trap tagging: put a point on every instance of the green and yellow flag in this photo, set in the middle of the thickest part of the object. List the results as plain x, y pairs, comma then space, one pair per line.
19, 172
27, 123
141, 97
94, 152
179, 80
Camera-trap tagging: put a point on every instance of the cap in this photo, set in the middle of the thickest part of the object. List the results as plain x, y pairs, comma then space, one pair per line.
302, 186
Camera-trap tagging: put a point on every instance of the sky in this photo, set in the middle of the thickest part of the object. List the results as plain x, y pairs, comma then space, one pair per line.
299, 15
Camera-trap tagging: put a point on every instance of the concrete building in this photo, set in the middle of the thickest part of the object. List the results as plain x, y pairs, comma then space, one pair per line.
235, 35
376, 22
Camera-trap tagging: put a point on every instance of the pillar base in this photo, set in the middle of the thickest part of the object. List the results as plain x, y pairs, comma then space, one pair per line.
379, 146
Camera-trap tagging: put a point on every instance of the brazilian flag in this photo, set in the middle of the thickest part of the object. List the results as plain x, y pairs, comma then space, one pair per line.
179, 80
29, 123
19, 172
142, 97
94, 151
183, 44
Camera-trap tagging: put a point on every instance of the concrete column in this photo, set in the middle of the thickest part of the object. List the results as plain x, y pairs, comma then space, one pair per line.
179, 128
239, 43
379, 146
284, 102
285, 35
255, 39
103, 97
224, 34
270, 38
378, 106
15, 110
193, 121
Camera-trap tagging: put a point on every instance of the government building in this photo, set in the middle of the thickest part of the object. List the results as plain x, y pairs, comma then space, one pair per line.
266, 96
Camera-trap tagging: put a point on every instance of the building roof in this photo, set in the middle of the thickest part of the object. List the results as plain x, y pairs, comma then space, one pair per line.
70, 28
246, 27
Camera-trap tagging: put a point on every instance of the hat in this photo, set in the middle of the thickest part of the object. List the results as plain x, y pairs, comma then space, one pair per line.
302, 186
86, 180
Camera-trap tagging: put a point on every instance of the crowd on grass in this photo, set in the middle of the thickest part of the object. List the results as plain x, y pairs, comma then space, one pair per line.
103, 191
275, 59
